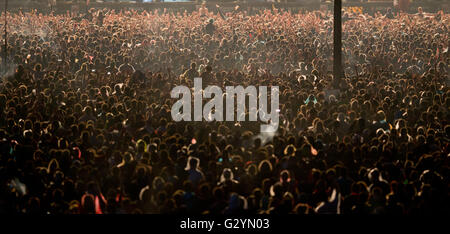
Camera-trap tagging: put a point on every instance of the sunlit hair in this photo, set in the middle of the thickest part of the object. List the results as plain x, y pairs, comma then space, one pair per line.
230, 175
192, 161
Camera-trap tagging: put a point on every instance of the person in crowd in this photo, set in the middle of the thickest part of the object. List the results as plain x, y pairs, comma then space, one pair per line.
86, 127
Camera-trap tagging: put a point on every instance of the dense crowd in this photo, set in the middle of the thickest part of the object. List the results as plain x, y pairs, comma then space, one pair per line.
85, 122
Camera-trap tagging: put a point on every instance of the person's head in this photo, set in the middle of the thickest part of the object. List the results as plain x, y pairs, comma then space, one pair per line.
88, 110
85, 136
285, 176
192, 163
141, 146
265, 167
289, 150
302, 208
88, 203
420, 139
38, 67
227, 174
381, 115
84, 67
257, 142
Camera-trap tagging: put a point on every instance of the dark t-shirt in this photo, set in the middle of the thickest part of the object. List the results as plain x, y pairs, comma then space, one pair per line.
210, 28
